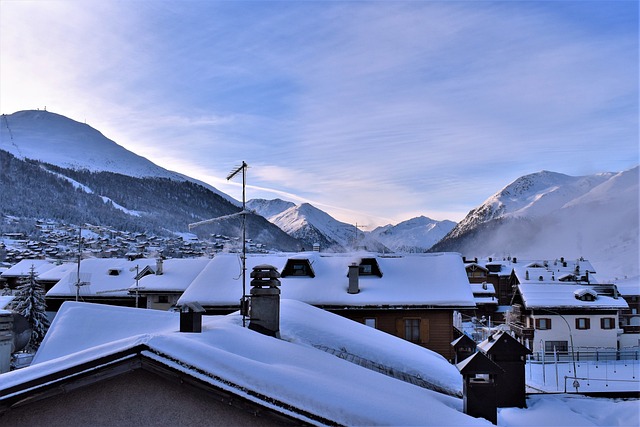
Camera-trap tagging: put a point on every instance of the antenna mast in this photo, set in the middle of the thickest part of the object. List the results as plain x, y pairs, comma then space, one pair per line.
243, 168
79, 258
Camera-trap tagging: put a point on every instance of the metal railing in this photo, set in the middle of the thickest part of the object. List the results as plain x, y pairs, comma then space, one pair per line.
582, 354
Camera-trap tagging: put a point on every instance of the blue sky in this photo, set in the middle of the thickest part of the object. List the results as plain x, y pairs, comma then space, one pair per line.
375, 112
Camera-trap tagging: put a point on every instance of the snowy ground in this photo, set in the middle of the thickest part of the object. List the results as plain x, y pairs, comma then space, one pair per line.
607, 376
572, 410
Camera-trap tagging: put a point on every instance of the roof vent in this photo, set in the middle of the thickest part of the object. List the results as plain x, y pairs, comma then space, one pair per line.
191, 317
264, 313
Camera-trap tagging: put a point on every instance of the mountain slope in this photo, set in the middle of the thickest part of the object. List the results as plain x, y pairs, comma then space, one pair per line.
269, 208
548, 215
414, 235
79, 188
58, 140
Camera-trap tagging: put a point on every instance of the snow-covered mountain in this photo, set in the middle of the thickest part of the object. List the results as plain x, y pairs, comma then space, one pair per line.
414, 235
269, 208
549, 215
54, 168
312, 226
58, 140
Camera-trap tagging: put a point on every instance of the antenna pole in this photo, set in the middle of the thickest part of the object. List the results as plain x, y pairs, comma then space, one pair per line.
79, 258
244, 242
243, 168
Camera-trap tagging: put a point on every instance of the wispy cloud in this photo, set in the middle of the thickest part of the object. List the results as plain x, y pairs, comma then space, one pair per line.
384, 109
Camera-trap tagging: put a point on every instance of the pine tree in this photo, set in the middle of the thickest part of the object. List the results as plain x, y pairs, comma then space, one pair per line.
30, 303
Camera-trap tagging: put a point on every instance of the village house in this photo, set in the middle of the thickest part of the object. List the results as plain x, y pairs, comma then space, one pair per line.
410, 296
559, 308
101, 280
23, 269
493, 271
137, 367
162, 284
629, 289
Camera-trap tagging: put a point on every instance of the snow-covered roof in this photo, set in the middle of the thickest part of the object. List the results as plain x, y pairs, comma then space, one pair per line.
109, 277
483, 288
292, 371
436, 280
57, 272
564, 295
535, 271
177, 275
5, 300
23, 267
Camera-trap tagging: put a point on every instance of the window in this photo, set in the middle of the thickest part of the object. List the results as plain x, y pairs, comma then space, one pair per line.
369, 267
607, 323
163, 299
370, 321
298, 267
543, 324
412, 330
560, 347
583, 323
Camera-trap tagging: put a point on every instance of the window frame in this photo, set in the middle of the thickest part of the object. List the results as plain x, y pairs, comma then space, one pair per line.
543, 323
583, 323
562, 347
611, 320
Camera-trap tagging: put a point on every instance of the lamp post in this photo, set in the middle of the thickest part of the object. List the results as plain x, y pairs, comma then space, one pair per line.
576, 384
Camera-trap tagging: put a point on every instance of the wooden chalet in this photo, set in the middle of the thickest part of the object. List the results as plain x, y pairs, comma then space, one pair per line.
409, 296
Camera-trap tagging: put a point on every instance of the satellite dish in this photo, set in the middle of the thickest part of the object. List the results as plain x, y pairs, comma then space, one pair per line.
21, 332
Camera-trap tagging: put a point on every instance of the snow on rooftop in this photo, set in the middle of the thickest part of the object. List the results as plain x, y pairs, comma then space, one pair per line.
563, 295
23, 267
177, 275
101, 276
289, 369
425, 279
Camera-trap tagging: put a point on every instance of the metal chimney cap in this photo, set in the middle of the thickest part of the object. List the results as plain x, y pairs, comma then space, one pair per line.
265, 271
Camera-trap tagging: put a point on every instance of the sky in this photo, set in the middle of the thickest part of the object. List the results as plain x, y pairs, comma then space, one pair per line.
373, 111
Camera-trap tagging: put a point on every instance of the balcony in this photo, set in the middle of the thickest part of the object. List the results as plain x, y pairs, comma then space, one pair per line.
521, 330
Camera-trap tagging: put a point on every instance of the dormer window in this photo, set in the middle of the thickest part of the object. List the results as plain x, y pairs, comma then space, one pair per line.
369, 267
298, 267
585, 294
475, 271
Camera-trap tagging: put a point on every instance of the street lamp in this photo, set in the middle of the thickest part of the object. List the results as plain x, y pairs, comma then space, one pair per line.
576, 384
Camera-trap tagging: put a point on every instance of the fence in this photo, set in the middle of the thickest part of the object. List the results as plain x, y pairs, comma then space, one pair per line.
585, 354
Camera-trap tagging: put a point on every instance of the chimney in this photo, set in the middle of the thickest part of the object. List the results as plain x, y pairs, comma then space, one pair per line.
159, 262
191, 317
354, 274
264, 315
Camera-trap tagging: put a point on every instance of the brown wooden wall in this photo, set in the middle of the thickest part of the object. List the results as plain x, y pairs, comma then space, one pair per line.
436, 325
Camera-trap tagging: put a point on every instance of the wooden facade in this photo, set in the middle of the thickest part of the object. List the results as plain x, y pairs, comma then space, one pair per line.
435, 326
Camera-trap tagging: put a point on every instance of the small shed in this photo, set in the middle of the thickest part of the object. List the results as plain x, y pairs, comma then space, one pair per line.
463, 347
479, 387
506, 352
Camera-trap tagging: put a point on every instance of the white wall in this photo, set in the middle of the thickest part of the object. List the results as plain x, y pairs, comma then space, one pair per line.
592, 337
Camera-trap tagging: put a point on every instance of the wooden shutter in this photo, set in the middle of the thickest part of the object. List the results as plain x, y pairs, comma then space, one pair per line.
424, 331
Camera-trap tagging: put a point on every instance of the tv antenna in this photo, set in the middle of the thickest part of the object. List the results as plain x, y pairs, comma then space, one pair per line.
79, 281
243, 213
